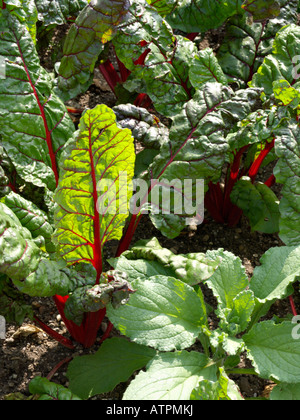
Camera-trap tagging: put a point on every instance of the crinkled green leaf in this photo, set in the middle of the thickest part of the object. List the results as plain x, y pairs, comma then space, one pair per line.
246, 44
37, 124
287, 172
279, 268
262, 9
149, 258
231, 345
202, 15
31, 217
163, 6
206, 68
229, 279
163, 313
50, 391
259, 203
145, 127
274, 352
285, 93
197, 151
13, 306
221, 390
56, 12
28, 267
236, 319
171, 376
91, 299
163, 74
282, 64
115, 361
19, 255
95, 26
26, 13
97, 167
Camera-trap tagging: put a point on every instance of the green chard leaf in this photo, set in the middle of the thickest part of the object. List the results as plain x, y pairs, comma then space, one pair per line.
262, 9
163, 7
287, 172
37, 124
85, 41
163, 313
171, 376
245, 45
202, 15
158, 60
92, 197
259, 203
197, 151
27, 266
31, 217
113, 288
56, 12
282, 64
13, 305
206, 68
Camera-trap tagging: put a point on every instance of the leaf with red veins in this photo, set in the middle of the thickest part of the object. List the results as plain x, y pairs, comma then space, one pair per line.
36, 123
158, 60
100, 159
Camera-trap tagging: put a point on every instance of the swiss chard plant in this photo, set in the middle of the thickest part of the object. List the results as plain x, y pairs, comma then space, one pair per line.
162, 70
168, 314
199, 114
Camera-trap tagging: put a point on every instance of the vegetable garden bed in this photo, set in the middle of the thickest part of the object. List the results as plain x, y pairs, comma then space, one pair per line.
95, 89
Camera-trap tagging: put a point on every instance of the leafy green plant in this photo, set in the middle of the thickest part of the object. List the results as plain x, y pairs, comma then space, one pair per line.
236, 109
159, 68
168, 314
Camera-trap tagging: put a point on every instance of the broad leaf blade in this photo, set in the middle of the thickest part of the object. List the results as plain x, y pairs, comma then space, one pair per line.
279, 269
285, 392
281, 64
28, 267
202, 15
163, 313
274, 352
92, 197
197, 151
206, 68
228, 280
115, 361
171, 376
31, 217
56, 12
259, 204
95, 26
262, 9
158, 60
37, 124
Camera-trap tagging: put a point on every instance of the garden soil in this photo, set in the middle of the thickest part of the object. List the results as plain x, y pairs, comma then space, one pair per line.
28, 352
